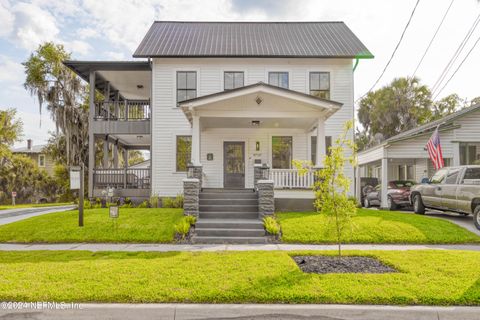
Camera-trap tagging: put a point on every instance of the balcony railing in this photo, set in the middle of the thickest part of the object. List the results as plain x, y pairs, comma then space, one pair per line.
127, 110
122, 178
291, 179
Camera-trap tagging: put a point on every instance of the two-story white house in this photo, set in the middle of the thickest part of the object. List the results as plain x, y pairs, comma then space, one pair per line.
223, 97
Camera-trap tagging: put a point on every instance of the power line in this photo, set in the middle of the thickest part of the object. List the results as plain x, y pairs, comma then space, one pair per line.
393, 53
433, 38
461, 63
455, 56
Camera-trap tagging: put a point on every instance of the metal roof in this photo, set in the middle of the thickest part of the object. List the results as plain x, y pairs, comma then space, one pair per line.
83, 68
443, 122
33, 149
251, 39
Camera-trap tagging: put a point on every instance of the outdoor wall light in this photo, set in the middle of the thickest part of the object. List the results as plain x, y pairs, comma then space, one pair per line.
255, 123
139, 86
257, 146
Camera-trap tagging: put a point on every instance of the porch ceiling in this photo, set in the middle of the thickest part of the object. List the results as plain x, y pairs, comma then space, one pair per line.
133, 140
123, 76
133, 85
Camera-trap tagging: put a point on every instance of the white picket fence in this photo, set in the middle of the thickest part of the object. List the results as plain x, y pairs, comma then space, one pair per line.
291, 179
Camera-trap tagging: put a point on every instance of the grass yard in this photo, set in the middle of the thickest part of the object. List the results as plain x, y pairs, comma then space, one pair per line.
35, 205
430, 277
133, 225
373, 226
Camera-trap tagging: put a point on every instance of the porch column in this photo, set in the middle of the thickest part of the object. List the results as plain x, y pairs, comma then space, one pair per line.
125, 165
456, 154
106, 98
105, 152
91, 137
384, 182
358, 192
115, 155
195, 158
320, 142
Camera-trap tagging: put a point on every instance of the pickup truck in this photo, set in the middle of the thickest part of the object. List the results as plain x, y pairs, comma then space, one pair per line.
455, 189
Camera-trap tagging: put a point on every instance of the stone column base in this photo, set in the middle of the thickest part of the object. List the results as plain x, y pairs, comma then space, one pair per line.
266, 198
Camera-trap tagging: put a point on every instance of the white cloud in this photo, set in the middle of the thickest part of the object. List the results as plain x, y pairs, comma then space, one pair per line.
78, 47
115, 55
11, 72
86, 33
7, 19
32, 26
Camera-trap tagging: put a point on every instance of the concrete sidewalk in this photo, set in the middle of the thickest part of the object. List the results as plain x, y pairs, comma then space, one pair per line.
223, 247
246, 311
13, 215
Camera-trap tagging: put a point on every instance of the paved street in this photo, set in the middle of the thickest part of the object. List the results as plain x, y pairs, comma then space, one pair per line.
247, 311
12, 215
153, 247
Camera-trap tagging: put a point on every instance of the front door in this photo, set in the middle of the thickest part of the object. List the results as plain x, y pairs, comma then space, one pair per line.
234, 164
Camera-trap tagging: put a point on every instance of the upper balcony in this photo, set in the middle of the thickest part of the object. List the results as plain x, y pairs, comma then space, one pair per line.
122, 117
126, 90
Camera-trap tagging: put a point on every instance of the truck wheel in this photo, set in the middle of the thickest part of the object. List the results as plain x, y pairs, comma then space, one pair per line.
366, 203
391, 204
476, 217
418, 206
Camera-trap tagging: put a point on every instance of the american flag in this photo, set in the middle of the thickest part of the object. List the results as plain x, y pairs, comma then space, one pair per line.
434, 149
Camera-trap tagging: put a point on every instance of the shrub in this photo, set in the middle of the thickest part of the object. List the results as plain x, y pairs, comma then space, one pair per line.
271, 225
182, 228
168, 202
144, 204
355, 200
191, 220
127, 205
155, 201
178, 201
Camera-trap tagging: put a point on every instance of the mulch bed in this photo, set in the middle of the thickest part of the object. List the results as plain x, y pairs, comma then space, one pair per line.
329, 264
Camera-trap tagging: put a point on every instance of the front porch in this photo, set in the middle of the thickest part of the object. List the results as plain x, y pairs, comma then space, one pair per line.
258, 125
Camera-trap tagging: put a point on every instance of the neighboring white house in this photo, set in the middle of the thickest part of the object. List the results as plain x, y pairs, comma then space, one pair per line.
405, 157
223, 96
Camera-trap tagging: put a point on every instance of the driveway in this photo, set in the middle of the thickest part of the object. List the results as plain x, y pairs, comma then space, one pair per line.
13, 215
459, 219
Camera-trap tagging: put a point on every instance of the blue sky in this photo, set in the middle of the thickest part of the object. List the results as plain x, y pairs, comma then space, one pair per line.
111, 30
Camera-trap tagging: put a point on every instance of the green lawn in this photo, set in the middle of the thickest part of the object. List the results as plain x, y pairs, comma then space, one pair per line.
373, 226
35, 205
133, 225
430, 277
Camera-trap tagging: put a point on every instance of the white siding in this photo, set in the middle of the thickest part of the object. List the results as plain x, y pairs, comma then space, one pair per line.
415, 147
169, 121
469, 130
212, 142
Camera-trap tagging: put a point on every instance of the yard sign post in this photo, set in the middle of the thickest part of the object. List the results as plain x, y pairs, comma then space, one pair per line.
14, 194
76, 183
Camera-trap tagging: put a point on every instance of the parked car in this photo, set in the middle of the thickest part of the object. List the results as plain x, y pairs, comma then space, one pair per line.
455, 189
398, 195
366, 185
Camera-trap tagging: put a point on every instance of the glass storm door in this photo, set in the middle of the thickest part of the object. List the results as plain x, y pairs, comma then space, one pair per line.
234, 165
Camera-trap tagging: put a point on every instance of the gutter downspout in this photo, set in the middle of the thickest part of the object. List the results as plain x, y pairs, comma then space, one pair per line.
357, 60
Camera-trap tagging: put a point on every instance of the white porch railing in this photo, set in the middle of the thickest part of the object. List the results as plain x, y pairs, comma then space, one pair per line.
291, 179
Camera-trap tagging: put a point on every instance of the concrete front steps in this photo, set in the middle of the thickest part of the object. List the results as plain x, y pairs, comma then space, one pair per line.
229, 216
